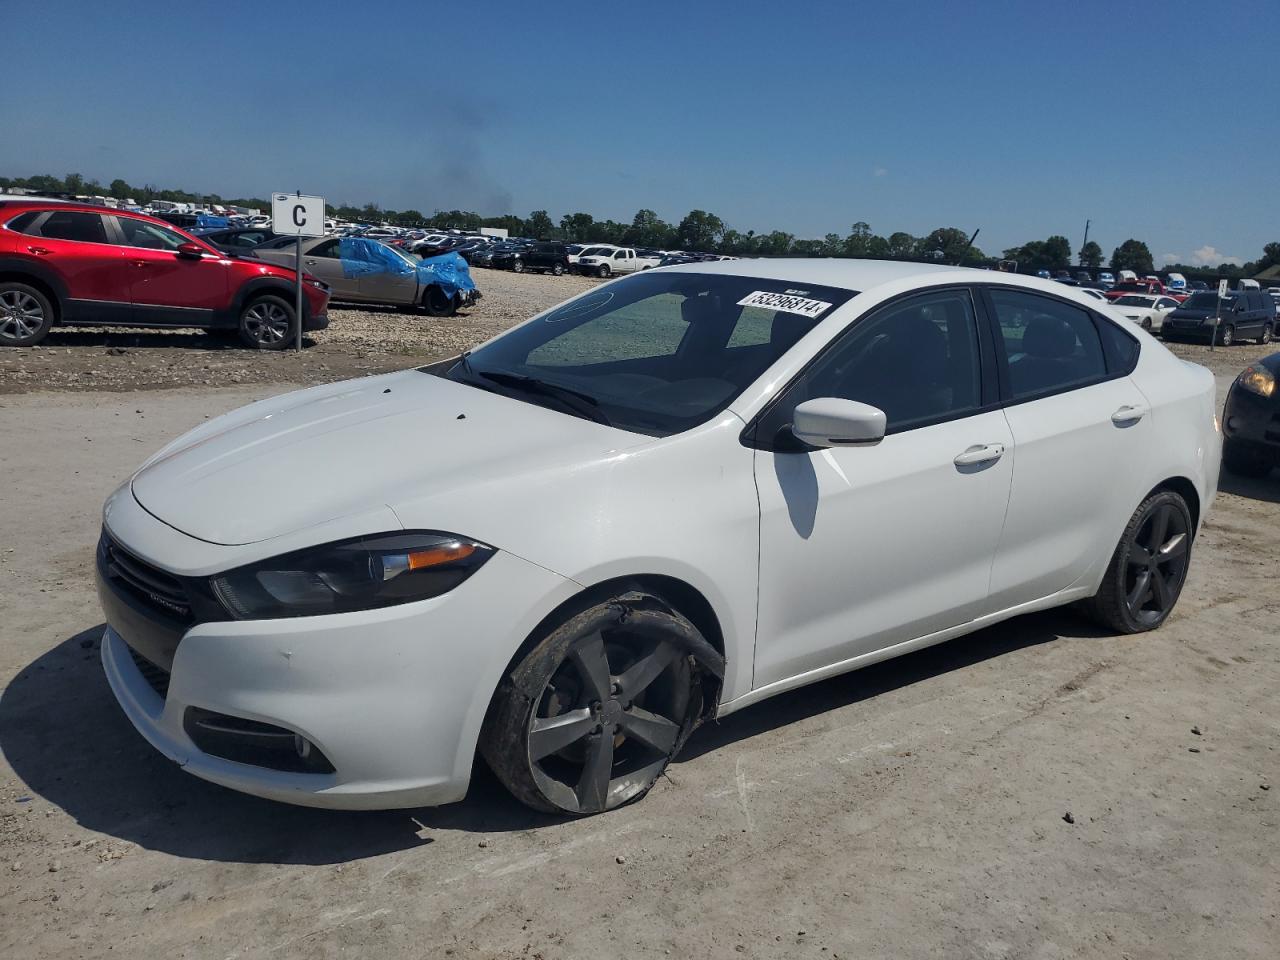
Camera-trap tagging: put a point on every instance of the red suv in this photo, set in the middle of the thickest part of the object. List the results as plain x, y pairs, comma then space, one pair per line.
64, 263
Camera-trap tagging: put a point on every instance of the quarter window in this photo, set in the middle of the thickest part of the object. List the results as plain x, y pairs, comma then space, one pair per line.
917, 360
1049, 345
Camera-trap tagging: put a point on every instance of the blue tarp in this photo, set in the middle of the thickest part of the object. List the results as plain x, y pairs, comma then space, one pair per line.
207, 221
362, 257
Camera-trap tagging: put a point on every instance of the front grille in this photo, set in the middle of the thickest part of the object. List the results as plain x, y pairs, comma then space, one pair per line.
157, 677
161, 591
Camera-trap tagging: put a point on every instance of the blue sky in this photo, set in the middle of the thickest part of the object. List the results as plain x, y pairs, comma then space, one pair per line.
1157, 120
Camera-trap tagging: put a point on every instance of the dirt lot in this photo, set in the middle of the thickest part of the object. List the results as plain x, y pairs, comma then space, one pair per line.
1037, 790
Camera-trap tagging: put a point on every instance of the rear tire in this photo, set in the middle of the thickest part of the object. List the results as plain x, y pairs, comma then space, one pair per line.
1265, 336
1146, 324
558, 269
1242, 461
590, 717
1148, 568
26, 315
1227, 336
267, 323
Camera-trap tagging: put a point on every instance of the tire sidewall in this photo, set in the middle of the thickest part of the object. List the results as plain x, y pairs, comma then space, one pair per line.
1120, 563
252, 342
46, 308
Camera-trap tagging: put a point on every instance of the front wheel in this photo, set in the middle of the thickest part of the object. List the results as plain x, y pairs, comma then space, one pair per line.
266, 323
1148, 568
438, 303
1146, 324
518, 266
1228, 336
558, 269
590, 717
1265, 336
603, 271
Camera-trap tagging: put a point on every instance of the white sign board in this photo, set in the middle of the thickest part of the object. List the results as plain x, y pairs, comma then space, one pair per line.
1222, 288
293, 215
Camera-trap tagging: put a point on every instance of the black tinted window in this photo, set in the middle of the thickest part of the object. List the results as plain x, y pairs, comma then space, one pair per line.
22, 222
1048, 345
1121, 349
917, 360
69, 225
327, 249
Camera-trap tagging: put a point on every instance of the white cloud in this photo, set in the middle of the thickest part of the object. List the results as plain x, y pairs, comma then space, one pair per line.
879, 172
1168, 258
1208, 256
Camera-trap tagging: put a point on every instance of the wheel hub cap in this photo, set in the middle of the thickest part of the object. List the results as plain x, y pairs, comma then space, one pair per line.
611, 713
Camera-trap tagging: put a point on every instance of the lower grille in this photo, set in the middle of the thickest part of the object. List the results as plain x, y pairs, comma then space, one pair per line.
157, 677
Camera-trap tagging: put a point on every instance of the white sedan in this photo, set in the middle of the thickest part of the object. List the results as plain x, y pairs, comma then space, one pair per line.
1147, 311
660, 502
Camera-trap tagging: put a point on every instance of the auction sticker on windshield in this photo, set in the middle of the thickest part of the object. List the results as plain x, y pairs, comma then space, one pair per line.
785, 303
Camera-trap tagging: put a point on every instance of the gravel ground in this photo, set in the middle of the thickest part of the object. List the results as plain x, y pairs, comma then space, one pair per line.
358, 341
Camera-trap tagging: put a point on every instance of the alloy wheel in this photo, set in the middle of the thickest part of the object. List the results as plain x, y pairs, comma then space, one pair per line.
607, 722
21, 315
1156, 564
266, 323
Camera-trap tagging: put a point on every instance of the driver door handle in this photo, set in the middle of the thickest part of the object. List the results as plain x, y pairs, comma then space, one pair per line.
980, 453
1129, 413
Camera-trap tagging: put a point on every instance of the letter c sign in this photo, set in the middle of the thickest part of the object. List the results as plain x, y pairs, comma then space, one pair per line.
299, 215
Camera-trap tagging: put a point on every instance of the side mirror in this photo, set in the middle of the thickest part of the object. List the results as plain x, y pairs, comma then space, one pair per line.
190, 251
832, 422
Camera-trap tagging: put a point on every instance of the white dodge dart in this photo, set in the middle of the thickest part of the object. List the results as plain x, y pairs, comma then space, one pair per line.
667, 499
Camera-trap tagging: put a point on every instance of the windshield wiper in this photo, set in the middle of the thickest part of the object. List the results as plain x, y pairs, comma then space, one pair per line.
577, 401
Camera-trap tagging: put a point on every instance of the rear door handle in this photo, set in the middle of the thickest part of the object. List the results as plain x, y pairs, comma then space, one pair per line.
980, 453
309, 263
1129, 413
139, 263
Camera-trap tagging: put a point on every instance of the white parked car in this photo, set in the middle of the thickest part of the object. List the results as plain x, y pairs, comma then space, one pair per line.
1146, 310
671, 497
593, 250
607, 262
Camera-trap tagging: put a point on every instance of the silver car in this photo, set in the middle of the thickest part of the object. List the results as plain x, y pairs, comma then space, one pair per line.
407, 289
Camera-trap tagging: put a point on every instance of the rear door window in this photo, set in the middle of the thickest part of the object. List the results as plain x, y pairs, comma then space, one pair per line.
1048, 345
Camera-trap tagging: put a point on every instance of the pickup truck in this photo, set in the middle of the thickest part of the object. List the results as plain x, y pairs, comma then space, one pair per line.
618, 260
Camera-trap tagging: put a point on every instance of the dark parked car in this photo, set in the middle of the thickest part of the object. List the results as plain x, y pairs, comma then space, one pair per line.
67, 263
1251, 421
1244, 314
546, 257
236, 239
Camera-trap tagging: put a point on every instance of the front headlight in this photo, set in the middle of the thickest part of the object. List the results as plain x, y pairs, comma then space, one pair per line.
359, 574
1258, 380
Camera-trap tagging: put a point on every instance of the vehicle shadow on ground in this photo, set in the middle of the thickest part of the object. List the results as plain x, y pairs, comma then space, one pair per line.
1265, 488
64, 735
187, 339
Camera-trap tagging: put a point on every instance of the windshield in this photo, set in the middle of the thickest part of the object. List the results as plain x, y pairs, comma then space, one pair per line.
656, 353
1203, 301
1132, 300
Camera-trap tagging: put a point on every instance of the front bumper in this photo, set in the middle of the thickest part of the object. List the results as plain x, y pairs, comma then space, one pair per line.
393, 698
1253, 420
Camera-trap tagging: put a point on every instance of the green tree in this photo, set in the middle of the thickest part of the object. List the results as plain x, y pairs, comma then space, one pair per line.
954, 244
577, 226
539, 225
119, 189
1132, 255
901, 245
1091, 256
647, 230
1057, 250
74, 183
699, 230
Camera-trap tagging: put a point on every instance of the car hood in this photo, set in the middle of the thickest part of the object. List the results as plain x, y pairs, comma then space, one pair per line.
1182, 313
307, 458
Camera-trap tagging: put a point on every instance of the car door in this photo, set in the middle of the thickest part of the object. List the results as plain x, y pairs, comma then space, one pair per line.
862, 548
322, 260
1164, 306
168, 287
623, 261
1076, 419
76, 244
395, 281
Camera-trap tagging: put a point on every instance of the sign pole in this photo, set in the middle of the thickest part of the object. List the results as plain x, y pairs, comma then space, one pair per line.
297, 261
1217, 315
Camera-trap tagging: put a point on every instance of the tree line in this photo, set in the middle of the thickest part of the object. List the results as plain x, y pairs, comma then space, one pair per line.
699, 231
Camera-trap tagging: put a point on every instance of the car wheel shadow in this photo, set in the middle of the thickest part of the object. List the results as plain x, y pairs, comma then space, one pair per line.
186, 338
1266, 489
63, 734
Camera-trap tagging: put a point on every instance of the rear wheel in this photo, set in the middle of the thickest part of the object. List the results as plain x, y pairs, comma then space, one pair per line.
1244, 461
25, 315
1146, 324
589, 719
1148, 568
1265, 336
267, 323
1227, 337
558, 269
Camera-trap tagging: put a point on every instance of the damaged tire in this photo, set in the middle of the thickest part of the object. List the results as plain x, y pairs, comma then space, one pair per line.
438, 303
589, 718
